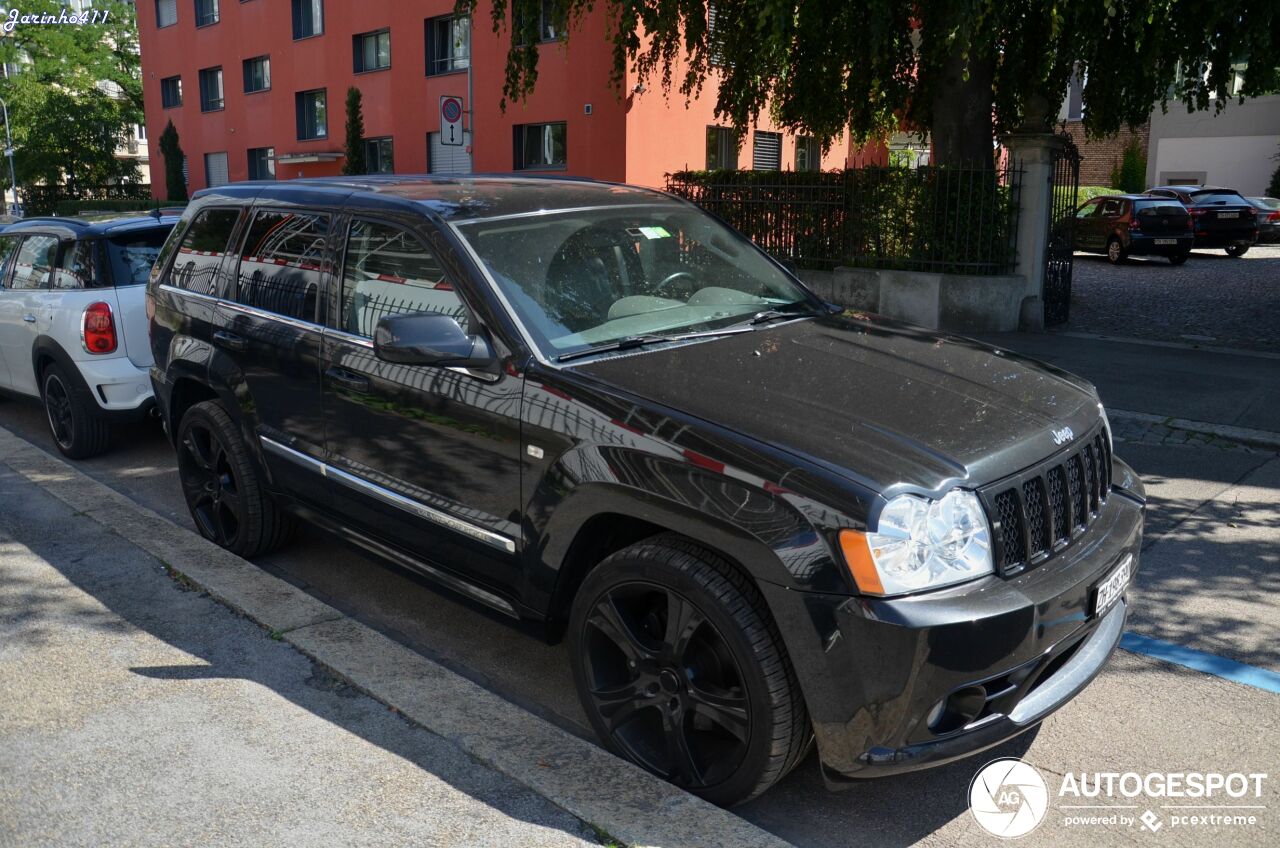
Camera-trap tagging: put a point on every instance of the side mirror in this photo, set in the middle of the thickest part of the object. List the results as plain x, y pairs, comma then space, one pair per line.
429, 338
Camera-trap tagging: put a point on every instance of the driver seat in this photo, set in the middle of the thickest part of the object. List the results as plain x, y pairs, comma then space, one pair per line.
592, 269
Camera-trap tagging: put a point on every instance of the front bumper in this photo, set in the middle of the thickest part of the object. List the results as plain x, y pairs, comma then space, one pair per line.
873, 670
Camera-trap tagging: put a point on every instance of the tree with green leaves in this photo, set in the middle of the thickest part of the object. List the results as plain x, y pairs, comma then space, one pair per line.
355, 162
963, 71
175, 182
73, 92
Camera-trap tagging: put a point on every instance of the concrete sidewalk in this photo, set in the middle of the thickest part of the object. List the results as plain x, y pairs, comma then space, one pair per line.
1234, 389
139, 713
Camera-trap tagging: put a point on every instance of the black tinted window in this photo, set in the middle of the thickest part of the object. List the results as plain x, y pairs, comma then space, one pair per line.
132, 256
281, 264
1159, 207
1217, 198
389, 272
202, 249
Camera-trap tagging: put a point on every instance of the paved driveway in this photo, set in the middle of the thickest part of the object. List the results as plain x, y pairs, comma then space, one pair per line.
1212, 300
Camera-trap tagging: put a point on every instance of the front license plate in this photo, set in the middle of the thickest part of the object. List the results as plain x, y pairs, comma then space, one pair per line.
1166, 241
1112, 587
1222, 216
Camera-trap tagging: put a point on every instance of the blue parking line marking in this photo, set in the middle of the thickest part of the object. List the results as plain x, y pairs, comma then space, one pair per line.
1237, 672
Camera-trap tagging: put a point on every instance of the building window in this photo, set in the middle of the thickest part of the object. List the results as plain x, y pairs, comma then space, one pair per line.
215, 169
371, 51
262, 163
308, 18
140, 132
715, 40
808, 154
166, 13
540, 146
766, 153
378, 156
312, 114
550, 25
211, 89
171, 92
448, 45
206, 12
257, 74
722, 149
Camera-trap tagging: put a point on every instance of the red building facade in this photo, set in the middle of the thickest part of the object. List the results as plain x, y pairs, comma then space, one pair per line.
256, 88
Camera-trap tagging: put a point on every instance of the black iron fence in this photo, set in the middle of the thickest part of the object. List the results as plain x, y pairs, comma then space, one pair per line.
48, 199
943, 219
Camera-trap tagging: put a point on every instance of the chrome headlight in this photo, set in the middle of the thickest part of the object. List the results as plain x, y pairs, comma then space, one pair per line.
921, 544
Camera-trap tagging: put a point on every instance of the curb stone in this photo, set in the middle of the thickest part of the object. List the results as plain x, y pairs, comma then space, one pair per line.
613, 796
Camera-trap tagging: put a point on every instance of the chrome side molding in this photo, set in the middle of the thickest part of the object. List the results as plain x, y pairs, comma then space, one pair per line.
389, 497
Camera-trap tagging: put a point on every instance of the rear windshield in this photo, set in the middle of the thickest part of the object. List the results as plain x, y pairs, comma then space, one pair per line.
1159, 207
1217, 198
131, 256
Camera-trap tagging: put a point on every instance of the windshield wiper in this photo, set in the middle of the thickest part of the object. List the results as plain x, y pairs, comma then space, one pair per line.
643, 339
770, 315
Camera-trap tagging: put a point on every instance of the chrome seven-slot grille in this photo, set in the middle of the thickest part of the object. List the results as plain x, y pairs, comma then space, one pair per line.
1040, 511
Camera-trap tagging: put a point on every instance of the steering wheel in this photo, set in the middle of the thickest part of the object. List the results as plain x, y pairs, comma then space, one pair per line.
689, 281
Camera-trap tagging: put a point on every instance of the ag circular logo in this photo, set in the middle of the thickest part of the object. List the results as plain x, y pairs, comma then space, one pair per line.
1008, 798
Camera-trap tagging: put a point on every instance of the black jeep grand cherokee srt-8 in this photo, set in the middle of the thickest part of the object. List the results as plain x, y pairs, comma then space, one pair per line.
758, 522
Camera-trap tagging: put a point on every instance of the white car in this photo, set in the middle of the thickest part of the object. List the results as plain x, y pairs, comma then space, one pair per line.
73, 323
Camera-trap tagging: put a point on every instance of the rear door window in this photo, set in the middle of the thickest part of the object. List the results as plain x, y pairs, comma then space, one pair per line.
34, 263
8, 252
282, 263
203, 245
388, 271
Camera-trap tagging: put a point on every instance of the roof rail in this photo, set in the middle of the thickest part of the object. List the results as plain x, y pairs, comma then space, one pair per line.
58, 219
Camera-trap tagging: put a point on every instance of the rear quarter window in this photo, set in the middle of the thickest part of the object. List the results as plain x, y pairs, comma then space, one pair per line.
199, 254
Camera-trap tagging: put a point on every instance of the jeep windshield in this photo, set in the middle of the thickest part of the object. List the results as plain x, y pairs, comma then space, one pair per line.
590, 278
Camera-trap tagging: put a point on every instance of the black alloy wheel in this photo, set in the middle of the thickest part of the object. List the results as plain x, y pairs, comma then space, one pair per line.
222, 487
213, 494
78, 429
1179, 258
666, 684
681, 670
1237, 250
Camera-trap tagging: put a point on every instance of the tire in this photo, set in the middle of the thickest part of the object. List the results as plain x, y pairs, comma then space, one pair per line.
1116, 253
1179, 258
712, 706
1237, 250
77, 425
222, 486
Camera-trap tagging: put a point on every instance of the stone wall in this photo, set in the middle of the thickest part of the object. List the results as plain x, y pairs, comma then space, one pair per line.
951, 302
1097, 157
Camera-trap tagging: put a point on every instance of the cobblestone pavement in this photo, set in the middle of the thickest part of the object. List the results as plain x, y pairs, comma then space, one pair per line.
1212, 300
1138, 431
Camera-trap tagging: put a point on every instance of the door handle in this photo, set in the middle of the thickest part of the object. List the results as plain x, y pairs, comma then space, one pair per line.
348, 380
228, 340
30, 319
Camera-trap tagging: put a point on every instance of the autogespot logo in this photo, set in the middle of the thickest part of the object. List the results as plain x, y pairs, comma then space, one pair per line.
1008, 798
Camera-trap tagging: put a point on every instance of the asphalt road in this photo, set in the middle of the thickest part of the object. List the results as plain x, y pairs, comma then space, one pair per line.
1209, 582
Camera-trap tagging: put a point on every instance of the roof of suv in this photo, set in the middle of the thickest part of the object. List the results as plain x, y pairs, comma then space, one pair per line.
80, 228
453, 197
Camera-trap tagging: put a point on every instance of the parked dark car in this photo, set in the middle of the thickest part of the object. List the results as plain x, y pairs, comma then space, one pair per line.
1124, 225
1268, 217
758, 521
1222, 217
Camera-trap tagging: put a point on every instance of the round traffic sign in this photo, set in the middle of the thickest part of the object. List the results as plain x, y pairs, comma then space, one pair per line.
451, 109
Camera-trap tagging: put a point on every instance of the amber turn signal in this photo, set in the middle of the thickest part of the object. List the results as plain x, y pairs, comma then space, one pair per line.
853, 544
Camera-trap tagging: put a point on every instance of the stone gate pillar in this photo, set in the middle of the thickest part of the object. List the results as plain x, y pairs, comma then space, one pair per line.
1034, 154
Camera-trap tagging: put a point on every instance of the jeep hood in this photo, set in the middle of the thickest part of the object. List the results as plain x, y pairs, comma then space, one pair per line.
886, 405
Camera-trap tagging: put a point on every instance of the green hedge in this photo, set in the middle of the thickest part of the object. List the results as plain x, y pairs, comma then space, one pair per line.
1088, 193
